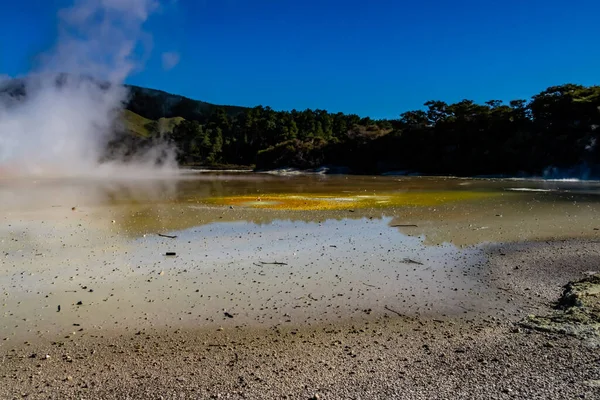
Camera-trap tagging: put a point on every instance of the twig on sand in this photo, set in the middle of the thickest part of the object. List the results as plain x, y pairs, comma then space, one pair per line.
404, 226
464, 308
366, 284
167, 236
272, 263
409, 261
394, 311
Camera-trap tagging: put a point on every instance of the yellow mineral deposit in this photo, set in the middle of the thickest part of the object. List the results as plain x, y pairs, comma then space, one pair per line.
343, 201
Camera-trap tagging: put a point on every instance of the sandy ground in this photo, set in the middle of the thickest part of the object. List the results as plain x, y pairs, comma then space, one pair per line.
339, 309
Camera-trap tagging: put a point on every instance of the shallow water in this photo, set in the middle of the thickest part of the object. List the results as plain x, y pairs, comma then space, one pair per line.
344, 246
458, 211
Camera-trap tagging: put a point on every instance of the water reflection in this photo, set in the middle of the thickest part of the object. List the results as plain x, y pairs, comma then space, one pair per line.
480, 210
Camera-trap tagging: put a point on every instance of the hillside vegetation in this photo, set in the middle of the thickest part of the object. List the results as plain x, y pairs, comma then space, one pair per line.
139, 126
555, 128
554, 131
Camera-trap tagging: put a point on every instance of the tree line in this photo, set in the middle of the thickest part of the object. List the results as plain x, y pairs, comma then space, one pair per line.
557, 127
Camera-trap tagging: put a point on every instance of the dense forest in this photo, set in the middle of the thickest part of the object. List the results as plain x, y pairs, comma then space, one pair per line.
555, 128
553, 132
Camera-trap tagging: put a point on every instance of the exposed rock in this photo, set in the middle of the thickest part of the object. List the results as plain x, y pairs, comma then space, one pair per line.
577, 312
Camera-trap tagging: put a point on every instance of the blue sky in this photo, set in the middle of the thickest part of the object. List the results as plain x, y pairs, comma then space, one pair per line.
376, 58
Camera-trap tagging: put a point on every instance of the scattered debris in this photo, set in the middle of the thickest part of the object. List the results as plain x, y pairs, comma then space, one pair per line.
394, 311
272, 263
235, 360
373, 286
410, 261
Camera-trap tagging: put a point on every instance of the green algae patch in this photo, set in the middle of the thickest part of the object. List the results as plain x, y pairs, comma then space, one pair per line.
577, 312
344, 201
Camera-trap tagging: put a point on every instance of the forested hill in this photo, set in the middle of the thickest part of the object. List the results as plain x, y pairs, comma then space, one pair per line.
155, 104
555, 128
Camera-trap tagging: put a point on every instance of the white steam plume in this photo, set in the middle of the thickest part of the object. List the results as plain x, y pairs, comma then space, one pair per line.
72, 102
170, 60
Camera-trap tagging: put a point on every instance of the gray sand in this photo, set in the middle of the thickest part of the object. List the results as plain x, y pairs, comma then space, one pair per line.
282, 344
332, 309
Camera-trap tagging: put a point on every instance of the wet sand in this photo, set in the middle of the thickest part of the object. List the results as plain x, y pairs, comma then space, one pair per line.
375, 355
280, 273
315, 305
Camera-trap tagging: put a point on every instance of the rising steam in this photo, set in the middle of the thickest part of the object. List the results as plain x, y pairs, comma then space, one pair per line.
59, 119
